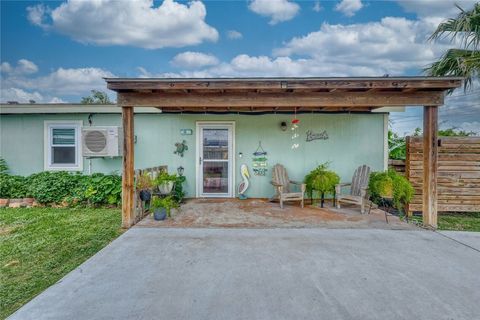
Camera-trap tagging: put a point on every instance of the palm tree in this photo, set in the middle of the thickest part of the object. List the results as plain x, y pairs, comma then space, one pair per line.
464, 62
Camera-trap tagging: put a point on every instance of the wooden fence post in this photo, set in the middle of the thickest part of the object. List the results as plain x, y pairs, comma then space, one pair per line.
430, 165
128, 209
407, 169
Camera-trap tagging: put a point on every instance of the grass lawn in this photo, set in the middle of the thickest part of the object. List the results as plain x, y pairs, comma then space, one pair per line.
39, 246
457, 221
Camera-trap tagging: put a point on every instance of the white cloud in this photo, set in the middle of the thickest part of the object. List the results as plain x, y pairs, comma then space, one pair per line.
37, 14
135, 23
68, 81
317, 7
22, 96
349, 7
439, 9
234, 35
191, 60
19, 84
19, 95
277, 10
23, 66
391, 46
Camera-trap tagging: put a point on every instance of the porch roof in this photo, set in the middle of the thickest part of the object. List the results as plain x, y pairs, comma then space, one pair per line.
312, 94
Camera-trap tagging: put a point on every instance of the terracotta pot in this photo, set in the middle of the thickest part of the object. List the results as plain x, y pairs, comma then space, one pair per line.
15, 203
4, 203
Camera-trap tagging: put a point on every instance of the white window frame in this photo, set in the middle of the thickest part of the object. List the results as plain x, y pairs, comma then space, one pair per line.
62, 124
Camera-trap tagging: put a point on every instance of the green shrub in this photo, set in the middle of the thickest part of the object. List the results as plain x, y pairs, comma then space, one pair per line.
96, 190
390, 184
52, 187
321, 180
12, 186
3, 166
177, 191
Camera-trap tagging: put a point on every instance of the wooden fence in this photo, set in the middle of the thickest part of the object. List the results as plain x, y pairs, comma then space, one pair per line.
458, 180
397, 165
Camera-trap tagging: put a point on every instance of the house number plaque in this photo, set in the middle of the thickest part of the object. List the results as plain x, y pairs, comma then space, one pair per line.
316, 136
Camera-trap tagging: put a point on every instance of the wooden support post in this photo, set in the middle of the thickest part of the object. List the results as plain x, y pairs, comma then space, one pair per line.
430, 154
128, 171
408, 212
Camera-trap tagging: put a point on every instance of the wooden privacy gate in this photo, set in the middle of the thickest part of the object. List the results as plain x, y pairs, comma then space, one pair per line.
458, 180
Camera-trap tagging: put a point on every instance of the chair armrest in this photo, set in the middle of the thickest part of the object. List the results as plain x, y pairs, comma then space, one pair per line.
338, 187
276, 184
295, 182
343, 184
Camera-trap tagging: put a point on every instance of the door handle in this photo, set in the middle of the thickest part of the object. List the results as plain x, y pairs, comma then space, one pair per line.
199, 160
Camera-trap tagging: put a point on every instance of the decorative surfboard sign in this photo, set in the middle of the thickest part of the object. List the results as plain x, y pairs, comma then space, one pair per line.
311, 136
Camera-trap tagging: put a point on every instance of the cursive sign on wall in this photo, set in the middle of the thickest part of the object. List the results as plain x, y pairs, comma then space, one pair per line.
316, 136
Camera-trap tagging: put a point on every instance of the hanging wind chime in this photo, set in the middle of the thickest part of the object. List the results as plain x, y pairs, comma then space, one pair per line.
295, 135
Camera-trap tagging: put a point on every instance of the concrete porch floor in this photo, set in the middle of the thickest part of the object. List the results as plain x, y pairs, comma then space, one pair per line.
260, 213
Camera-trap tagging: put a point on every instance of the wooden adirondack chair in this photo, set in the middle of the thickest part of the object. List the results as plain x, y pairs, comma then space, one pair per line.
281, 183
358, 189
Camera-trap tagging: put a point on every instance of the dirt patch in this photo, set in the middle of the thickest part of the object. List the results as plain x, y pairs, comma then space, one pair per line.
259, 213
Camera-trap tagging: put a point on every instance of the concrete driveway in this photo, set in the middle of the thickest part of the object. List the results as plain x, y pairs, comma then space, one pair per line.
152, 273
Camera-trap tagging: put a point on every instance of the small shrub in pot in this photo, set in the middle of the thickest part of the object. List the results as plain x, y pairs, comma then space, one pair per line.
322, 181
144, 185
390, 185
165, 182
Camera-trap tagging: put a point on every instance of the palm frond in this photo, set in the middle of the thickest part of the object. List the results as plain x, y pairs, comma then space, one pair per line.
466, 25
457, 62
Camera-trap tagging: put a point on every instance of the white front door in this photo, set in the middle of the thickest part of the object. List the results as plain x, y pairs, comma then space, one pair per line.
215, 159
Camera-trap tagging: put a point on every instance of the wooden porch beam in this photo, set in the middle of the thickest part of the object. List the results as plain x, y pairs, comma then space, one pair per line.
258, 84
430, 168
281, 99
128, 165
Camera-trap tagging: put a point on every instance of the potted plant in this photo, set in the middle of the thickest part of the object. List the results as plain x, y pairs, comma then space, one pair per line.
145, 184
162, 207
165, 182
390, 187
159, 211
322, 181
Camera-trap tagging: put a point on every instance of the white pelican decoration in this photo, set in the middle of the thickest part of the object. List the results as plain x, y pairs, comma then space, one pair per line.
245, 183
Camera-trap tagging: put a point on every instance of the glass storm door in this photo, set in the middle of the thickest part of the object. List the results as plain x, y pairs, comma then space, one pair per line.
215, 151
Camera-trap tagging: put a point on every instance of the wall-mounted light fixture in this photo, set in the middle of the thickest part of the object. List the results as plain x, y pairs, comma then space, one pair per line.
180, 171
283, 126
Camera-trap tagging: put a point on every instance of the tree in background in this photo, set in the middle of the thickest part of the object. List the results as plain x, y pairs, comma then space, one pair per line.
97, 97
397, 149
464, 61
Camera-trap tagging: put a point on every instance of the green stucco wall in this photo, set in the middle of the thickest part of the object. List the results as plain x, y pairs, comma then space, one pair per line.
354, 139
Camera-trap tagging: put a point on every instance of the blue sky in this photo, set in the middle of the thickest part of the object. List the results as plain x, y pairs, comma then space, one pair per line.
56, 51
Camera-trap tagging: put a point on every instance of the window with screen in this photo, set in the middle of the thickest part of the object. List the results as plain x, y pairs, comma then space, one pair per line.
63, 147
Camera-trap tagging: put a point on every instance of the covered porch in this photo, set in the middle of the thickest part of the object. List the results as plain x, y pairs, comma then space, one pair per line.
283, 95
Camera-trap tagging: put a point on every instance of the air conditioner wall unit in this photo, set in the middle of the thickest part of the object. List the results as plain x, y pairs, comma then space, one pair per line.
102, 141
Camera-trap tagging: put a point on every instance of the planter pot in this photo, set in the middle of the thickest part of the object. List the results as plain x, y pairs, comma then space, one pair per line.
15, 203
160, 214
145, 195
4, 203
166, 187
